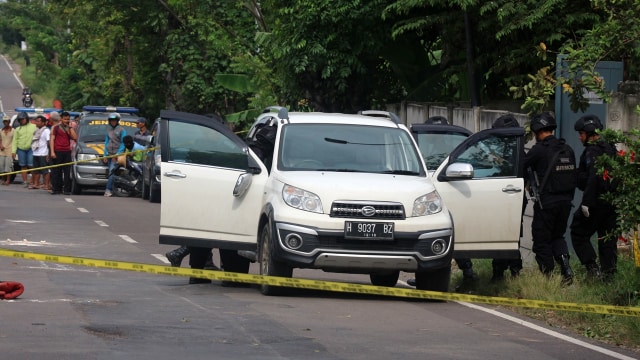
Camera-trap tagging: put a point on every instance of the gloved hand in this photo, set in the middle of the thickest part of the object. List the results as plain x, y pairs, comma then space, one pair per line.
10, 290
585, 210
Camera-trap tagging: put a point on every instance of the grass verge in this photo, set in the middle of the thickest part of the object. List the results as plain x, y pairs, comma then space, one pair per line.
623, 290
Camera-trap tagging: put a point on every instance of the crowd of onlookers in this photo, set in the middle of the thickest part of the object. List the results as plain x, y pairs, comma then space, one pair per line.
40, 145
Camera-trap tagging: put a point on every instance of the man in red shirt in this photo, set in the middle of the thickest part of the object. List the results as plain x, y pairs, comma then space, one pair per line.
60, 145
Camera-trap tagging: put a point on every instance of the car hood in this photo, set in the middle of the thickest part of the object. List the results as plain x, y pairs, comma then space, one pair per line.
332, 186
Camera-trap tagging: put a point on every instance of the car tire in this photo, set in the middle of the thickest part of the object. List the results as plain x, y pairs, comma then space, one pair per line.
434, 280
76, 189
269, 266
145, 190
154, 195
387, 279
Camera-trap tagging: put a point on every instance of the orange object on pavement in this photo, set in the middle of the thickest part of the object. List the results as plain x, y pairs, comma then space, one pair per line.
10, 290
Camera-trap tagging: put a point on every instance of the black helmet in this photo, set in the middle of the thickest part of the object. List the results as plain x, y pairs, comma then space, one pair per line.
437, 120
22, 115
505, 121
588, 123
543, 121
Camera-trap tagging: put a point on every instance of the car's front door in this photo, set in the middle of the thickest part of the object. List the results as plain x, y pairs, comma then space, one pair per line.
486, 207
202, 162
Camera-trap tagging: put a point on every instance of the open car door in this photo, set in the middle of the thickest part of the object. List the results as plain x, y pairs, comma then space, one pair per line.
482, 185
212, 184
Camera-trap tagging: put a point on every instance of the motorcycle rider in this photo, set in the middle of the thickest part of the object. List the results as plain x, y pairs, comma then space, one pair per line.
27, 100
113, 144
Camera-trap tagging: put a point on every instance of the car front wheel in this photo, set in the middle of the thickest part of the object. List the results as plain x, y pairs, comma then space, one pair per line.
268, 265
76, 189
145, 190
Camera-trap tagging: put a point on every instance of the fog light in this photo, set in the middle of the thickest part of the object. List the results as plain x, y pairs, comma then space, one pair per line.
293, 241
438, 247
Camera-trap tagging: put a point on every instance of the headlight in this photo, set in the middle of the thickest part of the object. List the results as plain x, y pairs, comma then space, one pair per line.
88, 158
301, 199
427, 204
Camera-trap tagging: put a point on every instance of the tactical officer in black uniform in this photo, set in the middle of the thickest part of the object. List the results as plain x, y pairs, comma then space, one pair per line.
552, 209
514, 265
595, 214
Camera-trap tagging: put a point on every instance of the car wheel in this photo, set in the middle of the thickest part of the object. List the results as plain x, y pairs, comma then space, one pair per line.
434, 280
145, 190
388, 280
76, 189
119, 192
154, 193
268, 265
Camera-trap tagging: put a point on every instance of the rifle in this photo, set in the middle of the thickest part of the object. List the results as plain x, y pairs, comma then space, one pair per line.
534, 186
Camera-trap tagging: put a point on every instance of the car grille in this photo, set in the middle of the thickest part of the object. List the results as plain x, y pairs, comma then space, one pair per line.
359, 210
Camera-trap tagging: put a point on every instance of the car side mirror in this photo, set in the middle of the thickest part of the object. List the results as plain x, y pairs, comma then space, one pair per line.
242, 184
458, 171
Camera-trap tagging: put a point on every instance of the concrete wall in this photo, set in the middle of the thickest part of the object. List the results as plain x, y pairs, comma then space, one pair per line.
621, 111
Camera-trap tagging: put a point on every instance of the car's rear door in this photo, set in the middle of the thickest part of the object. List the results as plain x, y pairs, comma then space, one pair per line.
202, 160
486, 208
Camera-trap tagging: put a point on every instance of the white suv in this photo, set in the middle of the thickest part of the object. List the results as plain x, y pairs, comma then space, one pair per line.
342, 193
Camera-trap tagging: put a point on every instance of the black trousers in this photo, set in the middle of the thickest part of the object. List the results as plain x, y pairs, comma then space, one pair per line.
601, 220
61, 175
230, 260
547, 230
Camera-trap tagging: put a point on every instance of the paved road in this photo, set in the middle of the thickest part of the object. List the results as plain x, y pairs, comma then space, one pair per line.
70, 312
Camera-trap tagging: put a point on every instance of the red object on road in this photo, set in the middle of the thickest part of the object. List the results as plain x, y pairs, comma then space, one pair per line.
10, 290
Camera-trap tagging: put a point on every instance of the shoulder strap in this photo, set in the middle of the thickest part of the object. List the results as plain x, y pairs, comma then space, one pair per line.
551, 164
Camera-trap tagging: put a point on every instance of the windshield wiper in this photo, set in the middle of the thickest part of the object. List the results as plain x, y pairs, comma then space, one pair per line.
400, 172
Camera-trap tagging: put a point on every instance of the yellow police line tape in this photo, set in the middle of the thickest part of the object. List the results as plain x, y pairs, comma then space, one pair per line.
76, 162
324, 285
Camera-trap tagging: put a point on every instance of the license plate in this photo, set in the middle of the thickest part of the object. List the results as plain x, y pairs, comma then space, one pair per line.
368, 230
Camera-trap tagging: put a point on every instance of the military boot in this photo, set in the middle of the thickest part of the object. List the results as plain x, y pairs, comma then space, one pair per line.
565, 269
593, 271
175, 256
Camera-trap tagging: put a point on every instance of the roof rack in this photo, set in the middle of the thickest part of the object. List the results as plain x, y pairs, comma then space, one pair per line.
120, 109
382, 114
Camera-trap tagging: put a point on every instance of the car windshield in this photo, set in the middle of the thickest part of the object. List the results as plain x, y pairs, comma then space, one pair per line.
435, 147
347, 148
95, 129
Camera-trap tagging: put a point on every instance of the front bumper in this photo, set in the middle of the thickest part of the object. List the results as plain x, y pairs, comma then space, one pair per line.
91, 175
329, 250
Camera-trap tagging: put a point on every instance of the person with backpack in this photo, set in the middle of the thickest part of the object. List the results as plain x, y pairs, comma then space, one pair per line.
553, 167
595, 215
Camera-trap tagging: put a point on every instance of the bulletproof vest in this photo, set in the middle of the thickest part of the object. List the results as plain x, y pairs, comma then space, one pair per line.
561, 174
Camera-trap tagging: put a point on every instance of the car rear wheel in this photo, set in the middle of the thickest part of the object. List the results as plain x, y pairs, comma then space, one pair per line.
269, 266
388, 279
154, 192
434, 280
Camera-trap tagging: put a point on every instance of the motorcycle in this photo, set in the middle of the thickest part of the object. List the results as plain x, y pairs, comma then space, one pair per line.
127, 178
27, 100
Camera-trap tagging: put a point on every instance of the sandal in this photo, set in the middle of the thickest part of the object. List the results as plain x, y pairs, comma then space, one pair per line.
33, 187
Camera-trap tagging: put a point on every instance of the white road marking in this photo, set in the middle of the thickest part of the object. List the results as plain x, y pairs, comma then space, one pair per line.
69, 200
161, 258
101, 223
555, 334
22, 221
60, 267
128, 239
83, 210
18, 79
7, 62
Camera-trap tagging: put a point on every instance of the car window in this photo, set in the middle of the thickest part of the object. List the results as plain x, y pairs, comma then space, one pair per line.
494, 156
358, 148
435, 147
195, 144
